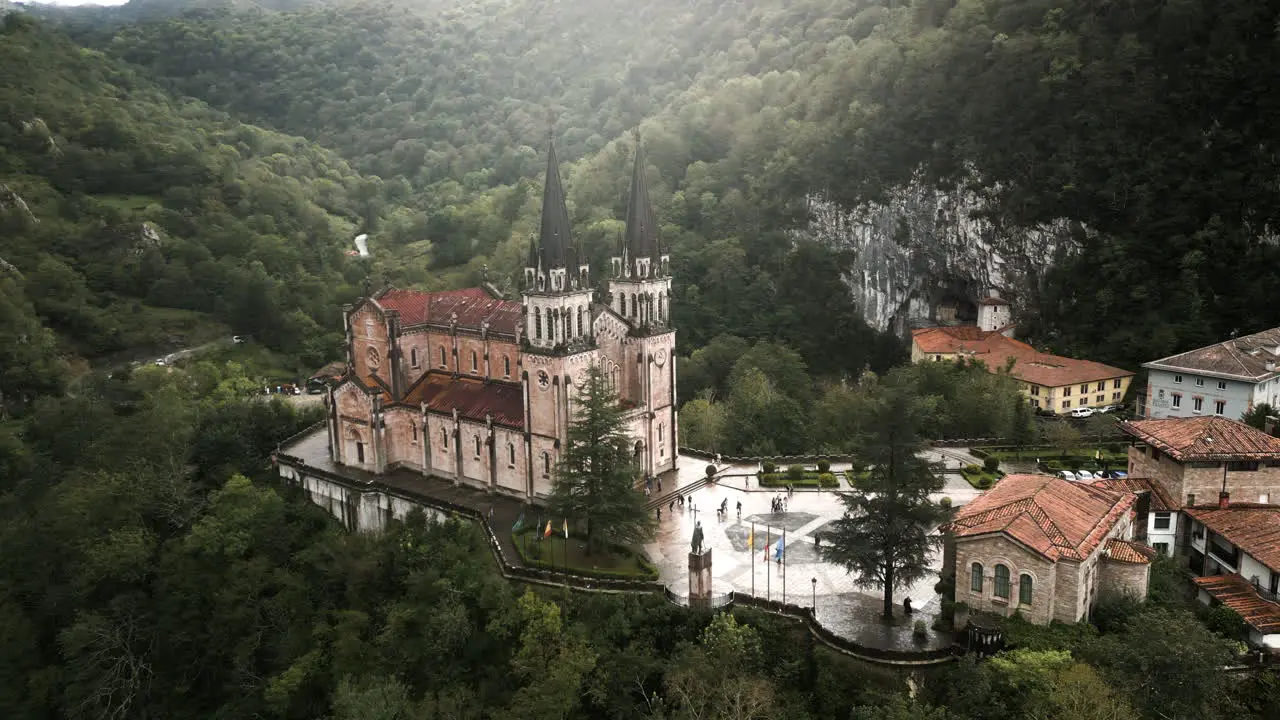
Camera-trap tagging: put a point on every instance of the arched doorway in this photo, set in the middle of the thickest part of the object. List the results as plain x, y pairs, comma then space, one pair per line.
639, 450
355, 446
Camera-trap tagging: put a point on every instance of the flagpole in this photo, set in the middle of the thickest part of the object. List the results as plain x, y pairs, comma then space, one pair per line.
783, 555
768, 577
752, 549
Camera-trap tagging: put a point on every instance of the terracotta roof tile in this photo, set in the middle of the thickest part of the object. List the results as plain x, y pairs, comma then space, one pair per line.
1030, 365
1051, 516
474, 399
1129, 551
1255, 529
1244, 357
1160, 500
1239, 594
473, 307
1204, 438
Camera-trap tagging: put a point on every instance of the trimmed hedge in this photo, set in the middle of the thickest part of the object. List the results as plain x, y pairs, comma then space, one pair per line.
648, 571
810, 479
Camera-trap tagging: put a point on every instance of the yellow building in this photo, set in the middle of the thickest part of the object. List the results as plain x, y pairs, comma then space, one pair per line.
1051, 382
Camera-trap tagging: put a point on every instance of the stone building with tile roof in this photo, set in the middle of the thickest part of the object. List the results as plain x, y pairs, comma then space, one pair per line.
1235, 552
1195, 459
1051, 383
1226, 379
1047, 548
481, 390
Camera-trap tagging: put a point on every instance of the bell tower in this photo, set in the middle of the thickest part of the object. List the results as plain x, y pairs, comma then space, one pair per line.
640, 289
557, 280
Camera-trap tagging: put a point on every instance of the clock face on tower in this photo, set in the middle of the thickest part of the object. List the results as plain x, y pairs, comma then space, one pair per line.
374, 357
660, 357
544, 380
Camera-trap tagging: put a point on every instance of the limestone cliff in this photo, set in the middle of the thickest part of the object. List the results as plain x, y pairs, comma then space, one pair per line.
12, 202
925, 255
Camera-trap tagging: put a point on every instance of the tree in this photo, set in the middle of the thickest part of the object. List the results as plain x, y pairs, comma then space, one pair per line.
595, 480
718, 678
702, 424
1062, 435
1257, 417
883, 537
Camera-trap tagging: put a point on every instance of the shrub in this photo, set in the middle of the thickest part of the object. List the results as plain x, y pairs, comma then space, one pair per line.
984, 483
824, 466
945, 502
795, 473
919, 630
991, 464
711, 470
972, 469
828, 480
769, 467
1074, 463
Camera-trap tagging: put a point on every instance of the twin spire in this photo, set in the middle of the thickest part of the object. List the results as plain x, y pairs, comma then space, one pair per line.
555, 247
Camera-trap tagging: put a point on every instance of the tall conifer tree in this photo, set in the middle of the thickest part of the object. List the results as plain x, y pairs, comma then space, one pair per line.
883, 537
595, 480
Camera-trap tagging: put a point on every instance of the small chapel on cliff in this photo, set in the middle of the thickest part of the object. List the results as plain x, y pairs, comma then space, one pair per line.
480, 389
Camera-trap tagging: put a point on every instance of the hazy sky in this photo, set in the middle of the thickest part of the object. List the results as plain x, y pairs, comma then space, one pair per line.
83, 2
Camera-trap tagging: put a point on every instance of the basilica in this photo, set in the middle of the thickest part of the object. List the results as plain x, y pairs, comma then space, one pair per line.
480, 389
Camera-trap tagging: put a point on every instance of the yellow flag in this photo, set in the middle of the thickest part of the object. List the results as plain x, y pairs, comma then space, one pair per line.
566, 528
547, 533
751, 540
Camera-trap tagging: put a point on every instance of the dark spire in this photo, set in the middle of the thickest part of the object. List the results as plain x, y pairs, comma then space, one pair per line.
642, 225
554, 237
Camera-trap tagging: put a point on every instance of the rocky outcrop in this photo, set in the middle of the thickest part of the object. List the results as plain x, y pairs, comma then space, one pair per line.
12, 202
926, 255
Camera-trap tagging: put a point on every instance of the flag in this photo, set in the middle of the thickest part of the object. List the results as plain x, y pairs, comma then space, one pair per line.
751, 539
547, 532
566, 528
519, 523
778, 552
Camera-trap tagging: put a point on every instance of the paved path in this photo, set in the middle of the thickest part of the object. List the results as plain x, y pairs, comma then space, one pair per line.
802, 578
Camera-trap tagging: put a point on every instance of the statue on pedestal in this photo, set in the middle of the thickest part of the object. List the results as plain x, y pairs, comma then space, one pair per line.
697, 538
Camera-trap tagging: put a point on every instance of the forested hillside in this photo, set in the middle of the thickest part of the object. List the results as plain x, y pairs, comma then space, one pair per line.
1138, 123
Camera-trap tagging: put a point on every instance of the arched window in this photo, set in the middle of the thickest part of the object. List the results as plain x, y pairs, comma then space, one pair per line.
537, 322
580, 332
444, 438
1025, 589
415, 431
477, 446
1002, 582
634, 307
506, 366
546, 464
975, 577
511, 454
413, 357
475, 361
444, 362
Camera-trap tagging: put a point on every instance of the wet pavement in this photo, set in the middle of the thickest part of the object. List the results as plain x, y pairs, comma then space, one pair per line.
802, 578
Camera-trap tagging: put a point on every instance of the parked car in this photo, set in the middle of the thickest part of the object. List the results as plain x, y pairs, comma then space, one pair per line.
1086, 475
1083, 412
1067, 475
239, 339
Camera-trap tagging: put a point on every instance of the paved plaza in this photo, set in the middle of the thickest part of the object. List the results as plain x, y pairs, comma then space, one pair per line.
801, 578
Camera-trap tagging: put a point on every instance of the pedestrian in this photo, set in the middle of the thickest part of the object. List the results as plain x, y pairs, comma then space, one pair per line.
659, 513
659, 484
490, 514
646, 492
739, 509
671, 506
906, 606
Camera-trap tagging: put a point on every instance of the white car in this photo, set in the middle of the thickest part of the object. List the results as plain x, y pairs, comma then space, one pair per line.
1082, 412
1067, 475
1086, 475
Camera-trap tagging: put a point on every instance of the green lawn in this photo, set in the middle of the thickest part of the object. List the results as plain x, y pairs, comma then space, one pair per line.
812, 479
554, 553
980, 479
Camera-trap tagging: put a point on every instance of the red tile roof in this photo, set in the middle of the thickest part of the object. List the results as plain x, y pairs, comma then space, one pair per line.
473, 307
1239, 594
474, 399
1129, 551
1253, 528
1051, 516
1160, 500
1205, 438
1030, 365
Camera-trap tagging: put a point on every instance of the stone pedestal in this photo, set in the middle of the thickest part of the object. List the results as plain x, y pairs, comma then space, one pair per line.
700, 578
